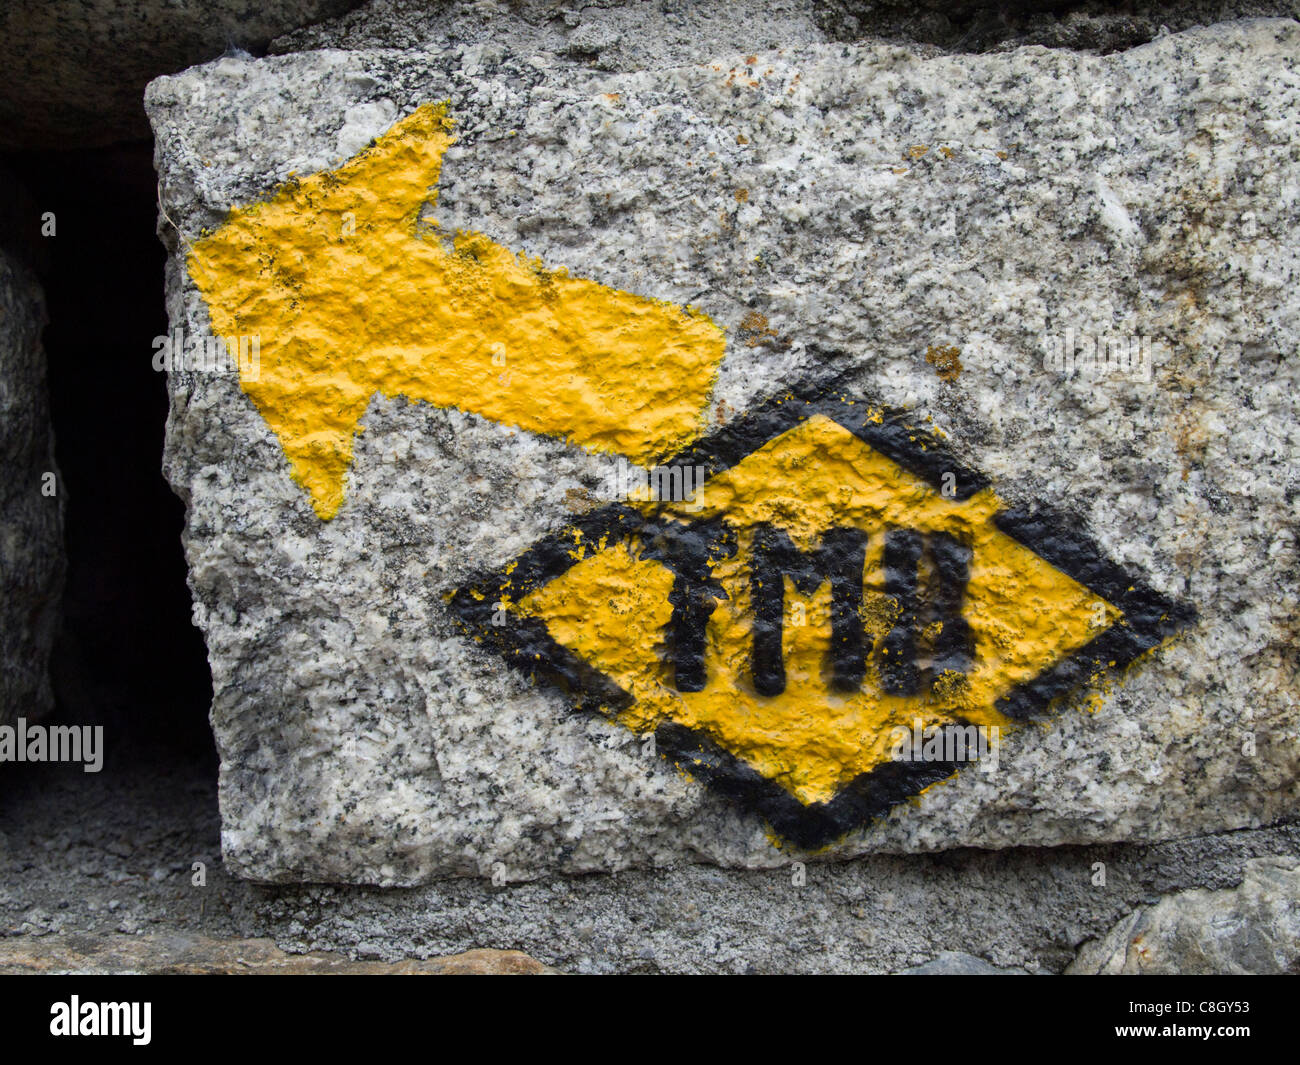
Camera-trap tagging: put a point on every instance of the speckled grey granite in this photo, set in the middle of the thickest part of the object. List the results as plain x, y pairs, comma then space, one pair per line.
1250, 929
1149, 193
74, 70
32, 561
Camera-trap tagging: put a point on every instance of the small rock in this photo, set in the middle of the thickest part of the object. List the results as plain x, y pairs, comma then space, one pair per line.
958, 963
1250, 929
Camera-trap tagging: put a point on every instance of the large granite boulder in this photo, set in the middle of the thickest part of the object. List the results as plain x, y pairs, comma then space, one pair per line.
968, 385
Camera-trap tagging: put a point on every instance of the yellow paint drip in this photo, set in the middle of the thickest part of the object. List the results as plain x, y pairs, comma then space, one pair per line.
612, 610
352, 294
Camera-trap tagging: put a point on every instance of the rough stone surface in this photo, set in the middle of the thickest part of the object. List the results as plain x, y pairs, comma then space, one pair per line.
959, 963
32, 562
892, 201
75, 69
1250, 929
184, 954
111, 854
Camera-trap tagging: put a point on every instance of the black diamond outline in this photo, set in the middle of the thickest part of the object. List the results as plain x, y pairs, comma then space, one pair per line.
1148, 617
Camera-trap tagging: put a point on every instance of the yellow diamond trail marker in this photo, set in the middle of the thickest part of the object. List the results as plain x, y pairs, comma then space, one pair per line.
819, 611
353, 292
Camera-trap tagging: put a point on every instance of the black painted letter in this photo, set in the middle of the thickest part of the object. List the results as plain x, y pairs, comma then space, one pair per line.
689, 551
952, 648
839, 559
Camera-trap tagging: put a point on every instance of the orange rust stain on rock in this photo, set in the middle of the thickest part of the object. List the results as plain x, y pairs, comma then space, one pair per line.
1191, 441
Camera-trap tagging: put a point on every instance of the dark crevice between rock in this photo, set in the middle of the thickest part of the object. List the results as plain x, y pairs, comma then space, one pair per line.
127, 656
75, 72
1101, 26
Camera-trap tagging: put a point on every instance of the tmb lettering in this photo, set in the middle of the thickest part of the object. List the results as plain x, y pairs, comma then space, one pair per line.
925, 574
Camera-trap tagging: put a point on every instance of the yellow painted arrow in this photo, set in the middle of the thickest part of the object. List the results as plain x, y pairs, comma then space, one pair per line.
352, 293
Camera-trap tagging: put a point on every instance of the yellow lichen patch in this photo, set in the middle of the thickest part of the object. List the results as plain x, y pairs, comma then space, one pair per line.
756, 331
945, 360
353, 292
612, 609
